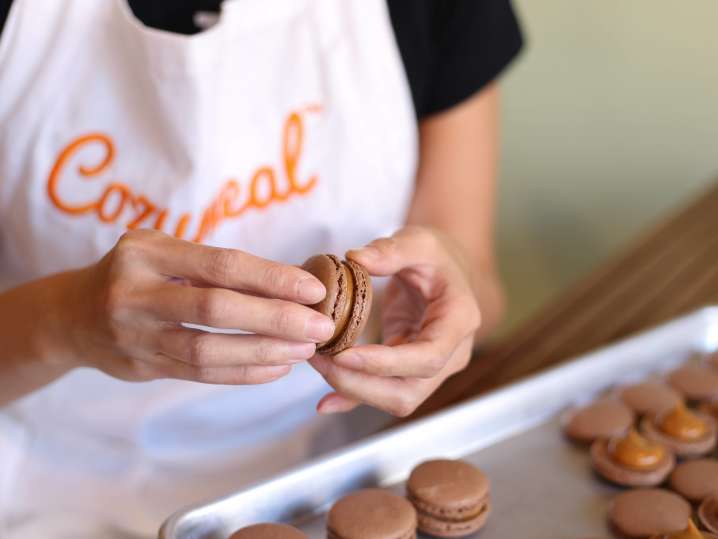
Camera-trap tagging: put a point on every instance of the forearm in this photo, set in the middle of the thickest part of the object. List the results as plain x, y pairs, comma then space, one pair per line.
31, 330
455, 191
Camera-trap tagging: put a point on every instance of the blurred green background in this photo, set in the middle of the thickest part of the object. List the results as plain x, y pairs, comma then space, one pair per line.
610, 121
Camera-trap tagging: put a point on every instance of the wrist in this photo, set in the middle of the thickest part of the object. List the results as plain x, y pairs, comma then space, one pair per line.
56, 332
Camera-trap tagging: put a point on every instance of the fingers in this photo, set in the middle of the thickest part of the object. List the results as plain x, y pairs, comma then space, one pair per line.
447, 325
334, 403
161, 366
240, 375
227, 309
411, 360
210, 350
409, 247
225, 268
396, 396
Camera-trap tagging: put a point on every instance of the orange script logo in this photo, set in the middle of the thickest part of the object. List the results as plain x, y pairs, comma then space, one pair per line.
118, 202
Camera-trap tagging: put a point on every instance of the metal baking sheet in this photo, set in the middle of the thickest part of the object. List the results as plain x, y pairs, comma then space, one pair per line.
542, 486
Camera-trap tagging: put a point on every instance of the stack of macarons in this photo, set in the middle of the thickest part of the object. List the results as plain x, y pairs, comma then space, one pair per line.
651, 433
444, 498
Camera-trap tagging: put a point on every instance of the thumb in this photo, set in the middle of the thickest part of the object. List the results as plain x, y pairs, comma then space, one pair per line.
409, 247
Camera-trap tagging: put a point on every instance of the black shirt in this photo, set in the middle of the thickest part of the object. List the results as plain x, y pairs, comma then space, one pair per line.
450, 48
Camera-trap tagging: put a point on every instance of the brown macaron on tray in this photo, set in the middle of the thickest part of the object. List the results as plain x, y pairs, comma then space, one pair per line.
557, 455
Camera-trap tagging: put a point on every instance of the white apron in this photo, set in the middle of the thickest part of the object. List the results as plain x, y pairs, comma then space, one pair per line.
284, 130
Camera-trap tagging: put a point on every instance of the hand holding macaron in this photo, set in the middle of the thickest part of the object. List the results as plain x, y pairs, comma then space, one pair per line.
430, 314
126, 314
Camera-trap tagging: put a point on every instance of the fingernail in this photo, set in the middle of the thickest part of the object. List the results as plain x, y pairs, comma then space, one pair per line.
350, 360
319, 328
311, 290
365, 252
278, 370
301, 351
329, 407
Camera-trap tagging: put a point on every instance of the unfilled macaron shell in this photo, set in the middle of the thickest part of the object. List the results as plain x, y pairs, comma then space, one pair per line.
605, 466
603, 418
696, 480
372, 514
268, 531
650, 398
646, 512
697, 382
708, 513
451, 497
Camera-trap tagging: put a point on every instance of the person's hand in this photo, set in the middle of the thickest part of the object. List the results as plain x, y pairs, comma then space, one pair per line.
123, 315
429, 319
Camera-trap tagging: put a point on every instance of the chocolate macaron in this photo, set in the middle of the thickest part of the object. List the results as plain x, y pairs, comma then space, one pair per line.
643, 513
683, 431
650, 397
696, 480
710, 408
451, 497
348, 300
697, 382
371, 514
631, 460
691, 532
712, 360
708, 513
603, 418
268, 531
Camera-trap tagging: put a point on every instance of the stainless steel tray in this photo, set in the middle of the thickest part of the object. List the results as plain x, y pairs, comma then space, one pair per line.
542, 487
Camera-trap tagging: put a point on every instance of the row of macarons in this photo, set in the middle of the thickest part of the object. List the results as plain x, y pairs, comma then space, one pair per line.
645, 434
444, 498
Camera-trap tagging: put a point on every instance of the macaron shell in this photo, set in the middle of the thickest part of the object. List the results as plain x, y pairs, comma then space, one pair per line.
446, 528
449, 489
696, 480
363, 298
710, 408
603, 418
646, 512
696, 382
604, 465
708, 513
347, 302
328, 270
680, 447
372, 514
268, 531
704, 534
650, 398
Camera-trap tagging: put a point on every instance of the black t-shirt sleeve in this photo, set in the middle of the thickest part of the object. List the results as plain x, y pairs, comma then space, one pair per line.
453, 48
450, 48
4, 10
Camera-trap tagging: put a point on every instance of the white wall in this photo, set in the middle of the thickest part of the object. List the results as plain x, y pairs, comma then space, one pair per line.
610, 121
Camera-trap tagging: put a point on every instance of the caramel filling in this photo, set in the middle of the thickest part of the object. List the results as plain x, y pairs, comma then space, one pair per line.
636, 452
691, 532
683, 424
